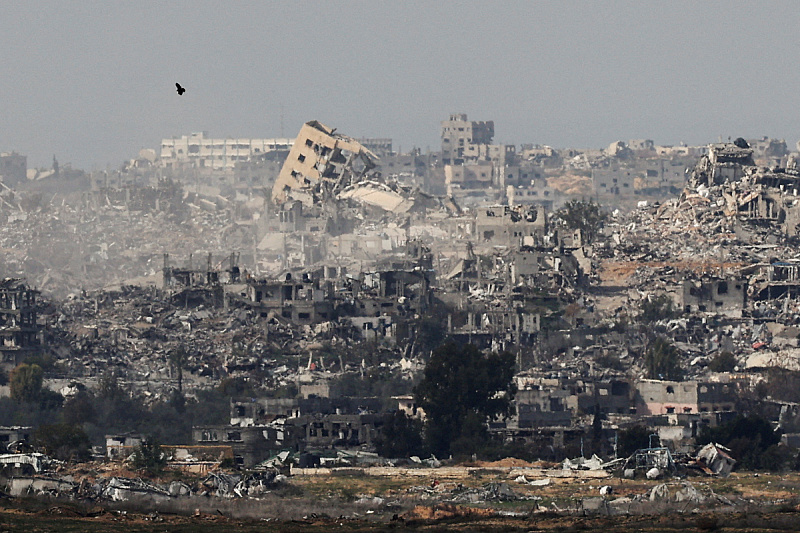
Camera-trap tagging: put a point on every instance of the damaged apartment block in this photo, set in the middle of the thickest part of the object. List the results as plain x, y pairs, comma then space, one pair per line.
20, 335
321, 163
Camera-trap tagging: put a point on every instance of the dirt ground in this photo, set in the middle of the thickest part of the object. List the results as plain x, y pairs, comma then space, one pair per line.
59, 519
433, 500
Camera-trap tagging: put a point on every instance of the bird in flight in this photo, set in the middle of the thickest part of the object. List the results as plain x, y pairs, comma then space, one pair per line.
181, 90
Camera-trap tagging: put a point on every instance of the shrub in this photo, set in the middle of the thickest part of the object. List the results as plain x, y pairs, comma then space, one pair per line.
723, 362
64, 442
149, 457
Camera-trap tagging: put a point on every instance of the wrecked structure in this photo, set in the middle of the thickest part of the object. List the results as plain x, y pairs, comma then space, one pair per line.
14, 435
321, 164
658, 397
345, 272
262, 427
20, 333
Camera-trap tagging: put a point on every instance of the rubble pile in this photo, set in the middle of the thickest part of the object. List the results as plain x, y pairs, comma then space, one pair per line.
134, 331
118, 489
347, 277
63, 248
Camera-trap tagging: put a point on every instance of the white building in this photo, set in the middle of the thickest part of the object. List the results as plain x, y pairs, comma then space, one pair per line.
197, 150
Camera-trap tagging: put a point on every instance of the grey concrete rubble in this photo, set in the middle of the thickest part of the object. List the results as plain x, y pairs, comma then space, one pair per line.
42, 479
300, 267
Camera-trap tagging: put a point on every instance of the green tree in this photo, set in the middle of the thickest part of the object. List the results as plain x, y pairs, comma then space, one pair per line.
115, 410
460, 391
177, 400
64, 442
109, 387
631, 439
400, 436
723, 362
178, 358
431, 332
238, 386
149, 456
657, 308
583, 215
752, 441
79, 409
49, 400
26, 383
662, 360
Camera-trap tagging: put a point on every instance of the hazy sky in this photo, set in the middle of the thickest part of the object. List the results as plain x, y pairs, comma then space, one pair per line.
93, 82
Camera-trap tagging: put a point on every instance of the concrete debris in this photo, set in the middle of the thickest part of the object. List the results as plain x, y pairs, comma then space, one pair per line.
490, 492
533, 483
303, 269
36, 461
122, 489
125, 489
715, 459
581, 463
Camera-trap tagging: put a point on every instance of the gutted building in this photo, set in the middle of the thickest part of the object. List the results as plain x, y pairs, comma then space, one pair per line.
460, 136
720, 296
320, 164
20, 335
656, 397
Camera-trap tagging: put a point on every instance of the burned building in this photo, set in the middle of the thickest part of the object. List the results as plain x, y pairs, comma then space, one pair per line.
393, 292
777, 279
724, 162
261, 426
250, 444
192, 286
20, 334
509, 225
541, 405
612, 396
9, 436
121, 445
338, 430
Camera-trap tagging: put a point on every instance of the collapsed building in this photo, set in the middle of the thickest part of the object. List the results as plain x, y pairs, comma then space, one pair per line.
729, 182
322, 163
261, 427
343, 256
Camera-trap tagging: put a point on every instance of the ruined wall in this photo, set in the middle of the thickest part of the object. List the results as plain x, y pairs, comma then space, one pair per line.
666, 397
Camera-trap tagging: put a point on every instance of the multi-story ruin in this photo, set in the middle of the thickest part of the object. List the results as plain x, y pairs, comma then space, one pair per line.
20, 335
320, 164
461, 136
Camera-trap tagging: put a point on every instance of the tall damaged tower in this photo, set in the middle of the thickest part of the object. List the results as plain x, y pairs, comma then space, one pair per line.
322, 163
19, 331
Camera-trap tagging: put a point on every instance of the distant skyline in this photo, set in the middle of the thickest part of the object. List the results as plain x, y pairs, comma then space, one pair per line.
94, 82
